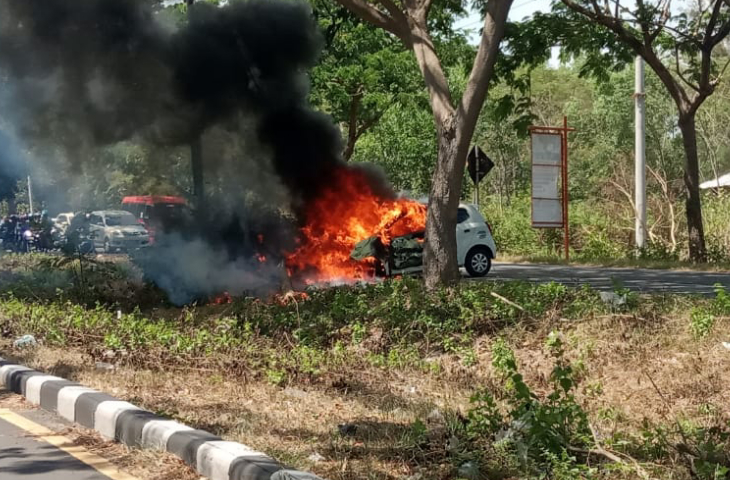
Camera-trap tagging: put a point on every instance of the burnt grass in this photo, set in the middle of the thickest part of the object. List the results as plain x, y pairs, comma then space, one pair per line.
389, 381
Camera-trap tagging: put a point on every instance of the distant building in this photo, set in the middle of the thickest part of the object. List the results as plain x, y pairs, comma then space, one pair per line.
722, 181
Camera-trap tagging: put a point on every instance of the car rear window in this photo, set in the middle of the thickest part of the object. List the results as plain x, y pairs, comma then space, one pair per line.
462, 215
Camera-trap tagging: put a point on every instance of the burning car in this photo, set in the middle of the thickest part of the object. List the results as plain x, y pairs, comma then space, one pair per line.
114, 230
353, 231
475, 247
158, 213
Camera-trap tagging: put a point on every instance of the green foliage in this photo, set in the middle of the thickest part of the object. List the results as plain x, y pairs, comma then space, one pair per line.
721, 302
703, 318
538, 430
657, 251
701, 322
403, 143
363, 71
503, 358
704, 450
48, 297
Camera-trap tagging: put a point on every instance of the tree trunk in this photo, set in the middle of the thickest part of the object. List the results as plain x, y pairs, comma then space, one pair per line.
352, 126
440, 262
697, 249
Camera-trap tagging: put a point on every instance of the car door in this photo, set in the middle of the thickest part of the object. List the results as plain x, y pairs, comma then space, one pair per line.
464, 236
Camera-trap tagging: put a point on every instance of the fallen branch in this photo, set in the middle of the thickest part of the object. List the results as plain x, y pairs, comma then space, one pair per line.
508, 302
600, 451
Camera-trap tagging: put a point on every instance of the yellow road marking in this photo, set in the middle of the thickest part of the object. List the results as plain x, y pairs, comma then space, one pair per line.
63, 443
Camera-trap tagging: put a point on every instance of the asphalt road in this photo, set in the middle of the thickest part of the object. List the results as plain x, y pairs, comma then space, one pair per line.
26, 455
641, 280
25, 458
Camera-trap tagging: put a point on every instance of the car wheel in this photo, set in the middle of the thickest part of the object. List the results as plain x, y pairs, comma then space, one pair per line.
478, 262
107, 246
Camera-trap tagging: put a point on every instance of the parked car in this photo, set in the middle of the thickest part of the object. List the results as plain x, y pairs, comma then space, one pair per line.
475, 247
62, 221
115, 230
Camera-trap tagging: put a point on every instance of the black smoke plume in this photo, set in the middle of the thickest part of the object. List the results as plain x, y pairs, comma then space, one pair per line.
95, 72
88, 73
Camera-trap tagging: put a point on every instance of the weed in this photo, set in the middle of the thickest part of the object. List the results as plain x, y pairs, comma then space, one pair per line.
703, 450
540, 429
721, 302
701, 322
276, 376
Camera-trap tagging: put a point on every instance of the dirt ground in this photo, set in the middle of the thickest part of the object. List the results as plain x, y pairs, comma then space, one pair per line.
358, 424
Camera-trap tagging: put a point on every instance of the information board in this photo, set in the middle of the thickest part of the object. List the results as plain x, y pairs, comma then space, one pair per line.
547, 167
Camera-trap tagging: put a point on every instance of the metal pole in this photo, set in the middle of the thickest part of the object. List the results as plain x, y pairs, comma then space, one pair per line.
566, 229
30, 195
640, 153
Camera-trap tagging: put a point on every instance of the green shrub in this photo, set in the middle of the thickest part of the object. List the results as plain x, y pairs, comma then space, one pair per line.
721, 302
702, 322
538, 430
657, 251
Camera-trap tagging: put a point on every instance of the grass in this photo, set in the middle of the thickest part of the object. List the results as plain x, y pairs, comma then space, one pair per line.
425, 383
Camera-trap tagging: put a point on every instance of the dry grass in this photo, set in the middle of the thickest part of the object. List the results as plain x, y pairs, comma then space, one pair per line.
637, 369
290, 423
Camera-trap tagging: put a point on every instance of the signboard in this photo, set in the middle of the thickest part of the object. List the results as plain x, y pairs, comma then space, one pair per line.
550, 179
547, 168
478, 163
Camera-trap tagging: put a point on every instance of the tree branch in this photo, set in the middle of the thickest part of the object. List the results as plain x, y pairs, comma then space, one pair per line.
423, 7
483, 67
722, 73
374, 16
393, 9
367, 125
711, 40
645, 51
610, 22
662, 25
679, 71
433, 75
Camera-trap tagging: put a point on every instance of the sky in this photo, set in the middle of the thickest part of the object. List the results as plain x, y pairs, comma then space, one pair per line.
520, 10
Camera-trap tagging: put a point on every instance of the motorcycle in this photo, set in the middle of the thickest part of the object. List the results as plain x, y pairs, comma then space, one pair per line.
30, 240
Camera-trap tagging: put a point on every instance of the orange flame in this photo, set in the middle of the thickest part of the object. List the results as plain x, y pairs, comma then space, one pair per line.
343, 215
222, 299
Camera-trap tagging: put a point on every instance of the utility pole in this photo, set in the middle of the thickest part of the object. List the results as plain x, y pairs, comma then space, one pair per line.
640, 153
196, 162
30, 196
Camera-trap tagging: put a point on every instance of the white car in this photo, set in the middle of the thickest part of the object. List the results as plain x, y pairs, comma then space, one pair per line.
113, 230
475, 247
62, 221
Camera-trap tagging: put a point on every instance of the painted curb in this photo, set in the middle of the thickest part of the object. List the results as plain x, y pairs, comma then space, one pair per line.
114, 419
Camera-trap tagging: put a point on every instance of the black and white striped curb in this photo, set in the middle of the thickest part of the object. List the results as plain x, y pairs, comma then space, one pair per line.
114, 419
